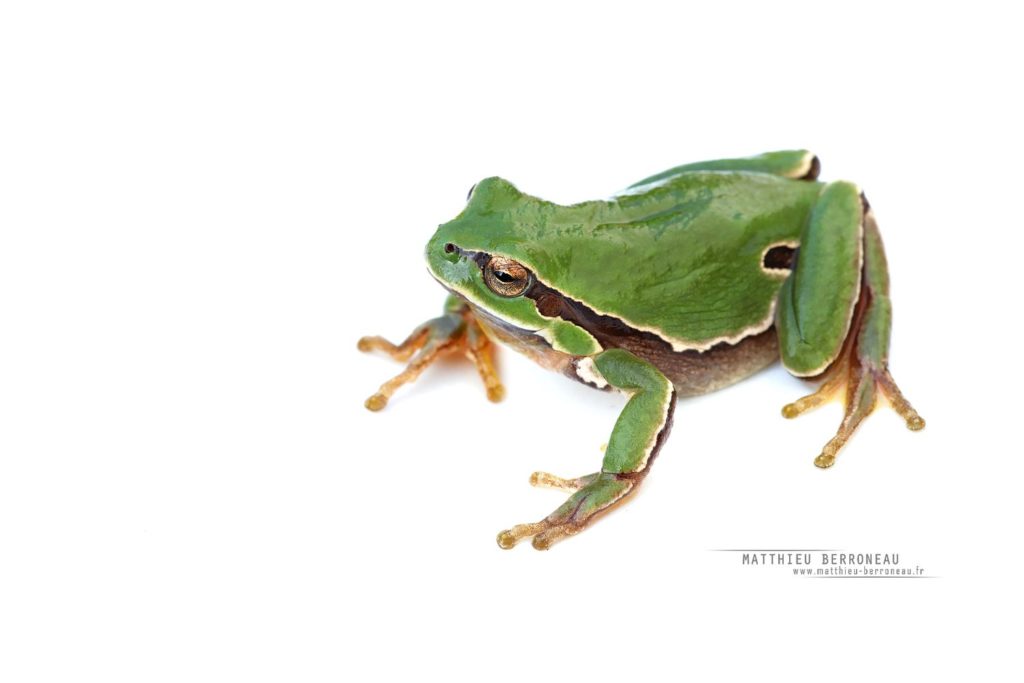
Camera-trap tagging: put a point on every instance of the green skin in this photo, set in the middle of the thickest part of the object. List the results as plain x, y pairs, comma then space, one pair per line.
680, 258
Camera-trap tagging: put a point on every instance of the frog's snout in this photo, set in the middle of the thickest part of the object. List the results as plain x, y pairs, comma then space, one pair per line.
444, 251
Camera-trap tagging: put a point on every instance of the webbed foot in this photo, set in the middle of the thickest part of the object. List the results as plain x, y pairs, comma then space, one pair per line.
594, 494
457, 331
863, 379
861, 394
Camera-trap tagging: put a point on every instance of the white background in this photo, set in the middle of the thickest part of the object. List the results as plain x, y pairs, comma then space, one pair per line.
203, 206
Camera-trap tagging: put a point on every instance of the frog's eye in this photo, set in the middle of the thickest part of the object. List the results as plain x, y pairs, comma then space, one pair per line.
470, 193
506, 277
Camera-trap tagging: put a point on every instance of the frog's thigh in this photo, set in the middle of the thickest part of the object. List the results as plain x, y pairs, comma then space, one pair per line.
817, 300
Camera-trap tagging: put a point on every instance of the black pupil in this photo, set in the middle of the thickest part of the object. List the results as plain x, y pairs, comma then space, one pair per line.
449, 248
504, 277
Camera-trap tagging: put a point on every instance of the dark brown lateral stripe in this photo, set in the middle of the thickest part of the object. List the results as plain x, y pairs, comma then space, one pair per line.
608, 330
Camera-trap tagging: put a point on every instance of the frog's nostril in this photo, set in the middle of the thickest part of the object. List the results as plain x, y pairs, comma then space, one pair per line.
450, 248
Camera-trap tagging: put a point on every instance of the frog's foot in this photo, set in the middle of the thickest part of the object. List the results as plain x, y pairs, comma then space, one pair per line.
642, 427
863, 384
861, 395
455, 332
594, 495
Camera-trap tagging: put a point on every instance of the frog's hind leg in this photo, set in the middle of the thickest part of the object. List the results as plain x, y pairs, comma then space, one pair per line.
853, 351
455, 331
639, 432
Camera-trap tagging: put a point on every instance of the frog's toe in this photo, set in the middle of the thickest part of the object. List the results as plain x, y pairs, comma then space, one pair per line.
480, 351
825, 460
376, 402
547, 480
411, 372
506, 539
898, 402
826, 391
401, 352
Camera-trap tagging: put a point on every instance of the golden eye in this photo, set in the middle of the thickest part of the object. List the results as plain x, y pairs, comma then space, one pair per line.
506, 277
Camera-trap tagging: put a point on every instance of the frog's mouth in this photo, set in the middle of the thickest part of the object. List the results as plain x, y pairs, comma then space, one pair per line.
490, 321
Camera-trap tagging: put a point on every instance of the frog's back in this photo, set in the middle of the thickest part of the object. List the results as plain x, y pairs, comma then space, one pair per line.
680, 257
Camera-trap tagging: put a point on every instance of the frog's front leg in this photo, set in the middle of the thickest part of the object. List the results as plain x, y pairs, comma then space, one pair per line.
639, 433
457, 331
834, 314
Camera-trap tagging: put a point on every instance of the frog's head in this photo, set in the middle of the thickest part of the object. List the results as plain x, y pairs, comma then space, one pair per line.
485, 254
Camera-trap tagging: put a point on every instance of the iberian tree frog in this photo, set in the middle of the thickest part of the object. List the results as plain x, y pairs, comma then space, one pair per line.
685, 282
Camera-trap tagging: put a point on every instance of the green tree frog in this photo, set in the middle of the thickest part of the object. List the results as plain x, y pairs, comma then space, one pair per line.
685, 282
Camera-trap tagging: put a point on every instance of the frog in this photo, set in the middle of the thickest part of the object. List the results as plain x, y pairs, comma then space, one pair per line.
686, 282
